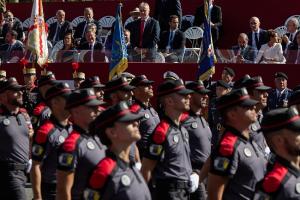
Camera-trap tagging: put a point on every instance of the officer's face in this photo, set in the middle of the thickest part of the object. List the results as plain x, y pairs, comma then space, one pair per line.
261, 97
85, 114
99, 94
29, 80
124, 95
245, 115
226, 77
291, 141
126, 132
14, 97
199, 100
60, 104
181, 103
280, 83
146, 91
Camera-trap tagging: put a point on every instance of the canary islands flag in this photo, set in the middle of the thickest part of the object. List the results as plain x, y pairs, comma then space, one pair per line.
119, 62
207, 59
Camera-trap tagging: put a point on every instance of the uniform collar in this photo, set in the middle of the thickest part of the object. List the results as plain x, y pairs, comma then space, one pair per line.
58, 124
5, 111
80, 130
120, 163
235, 132
293, 170
141, 104
170, 121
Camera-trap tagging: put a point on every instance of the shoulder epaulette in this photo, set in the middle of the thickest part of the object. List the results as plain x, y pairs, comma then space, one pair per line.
43, 131
160, 132
39, 108
135, 108
227, 144
184, 116
70, 143
23, 110
104, 169
274, 178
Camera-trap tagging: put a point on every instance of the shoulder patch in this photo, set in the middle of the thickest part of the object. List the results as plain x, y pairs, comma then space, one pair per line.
184, 116
227, 144
39, 108
160, 132
43, 131
273, 179
101, 173
135, 108
23, 110
70, 143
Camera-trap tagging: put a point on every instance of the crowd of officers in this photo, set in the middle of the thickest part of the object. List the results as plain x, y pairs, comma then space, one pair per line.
223, 141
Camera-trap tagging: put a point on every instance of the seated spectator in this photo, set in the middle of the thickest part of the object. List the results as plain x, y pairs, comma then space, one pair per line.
60, 28
95, 48
93, 28
172, 42
271, 52
243, 52
68, 53
12, 23
135, 13
293, 52
257, 36
13, 50
290, 36
83, 26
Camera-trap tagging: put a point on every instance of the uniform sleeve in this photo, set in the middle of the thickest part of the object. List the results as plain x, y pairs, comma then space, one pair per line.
225, 157
156, 144
40, 142
68, 154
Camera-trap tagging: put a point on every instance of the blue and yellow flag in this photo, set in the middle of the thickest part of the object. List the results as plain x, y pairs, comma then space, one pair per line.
207, 59
119, 62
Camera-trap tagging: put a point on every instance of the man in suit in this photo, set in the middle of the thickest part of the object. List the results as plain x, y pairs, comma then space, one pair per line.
290, 36
144, 34
243, 52
164, 9
279, 97
293, 52
257, 36
12, 23
215, 21
172, 42
58, 29
13, 49
82, 26
95, 48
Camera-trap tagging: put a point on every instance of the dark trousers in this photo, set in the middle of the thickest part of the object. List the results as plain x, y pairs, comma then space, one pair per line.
164, 192
48, 191
200, 193
12, 184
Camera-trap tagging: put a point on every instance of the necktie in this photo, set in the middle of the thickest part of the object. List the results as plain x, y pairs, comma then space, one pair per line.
171, 37
256, 39
142, 25
57, 32
92, 52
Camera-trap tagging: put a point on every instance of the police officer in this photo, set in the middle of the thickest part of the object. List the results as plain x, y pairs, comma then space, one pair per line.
30, 94
78, 78
143, 92
279, 97
169, 151
199, 132
2, 75
49, 136
41, 111
81, 151
16, 131
236, 163
214, 117
227, 76
281, 128
94, 82
116, 177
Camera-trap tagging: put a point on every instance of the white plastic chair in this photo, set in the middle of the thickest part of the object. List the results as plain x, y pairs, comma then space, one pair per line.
27, 23
58, 46
51, 20
193, 35
293, 16
281, 30
189, 18
159, 58
77, 20
106, 21
128, 20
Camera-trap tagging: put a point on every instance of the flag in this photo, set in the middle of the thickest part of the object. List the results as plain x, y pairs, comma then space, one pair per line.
119, 62
207, 60
37, 33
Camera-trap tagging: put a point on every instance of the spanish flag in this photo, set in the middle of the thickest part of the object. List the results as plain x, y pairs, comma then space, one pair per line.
119, 62
207, 60
37, 33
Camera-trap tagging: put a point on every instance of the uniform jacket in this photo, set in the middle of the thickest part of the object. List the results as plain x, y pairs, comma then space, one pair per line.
275, 101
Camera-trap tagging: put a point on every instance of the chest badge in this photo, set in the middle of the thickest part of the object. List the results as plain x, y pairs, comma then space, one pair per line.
61, 139
146, 116
298, 188
247, 152
6, 122
125, 180
90, 145
194, 125
254, 127
176, 138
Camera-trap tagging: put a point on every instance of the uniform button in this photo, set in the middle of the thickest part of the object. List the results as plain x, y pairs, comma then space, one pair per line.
194, 125
125, 180
90, 145
6, 122
176, 138
298, 188
147, 116
61, 139
247, 152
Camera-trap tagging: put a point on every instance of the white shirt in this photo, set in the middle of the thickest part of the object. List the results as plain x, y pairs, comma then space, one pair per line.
274, 52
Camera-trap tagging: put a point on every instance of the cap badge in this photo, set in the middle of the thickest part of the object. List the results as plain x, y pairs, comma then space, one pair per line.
61, 139
147, 116
247, 152
90, 145
194, 125
176, 138
6, 122
125, 180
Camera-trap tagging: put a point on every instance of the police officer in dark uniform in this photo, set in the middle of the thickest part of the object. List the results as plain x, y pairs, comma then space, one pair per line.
199, 132
214, 118
279, 97
2, 75
30, 94
41, 111
143, 92
78, 78
49, 136
169, 150
94, 82
116, 177
295, 99
236, 163
281, 128
81, 151
16, 131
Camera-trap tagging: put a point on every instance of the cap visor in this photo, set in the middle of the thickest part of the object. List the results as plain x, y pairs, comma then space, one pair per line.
131, 117
249, 102
99, 86
17, 87
127, 88
204, 91
185, 91
263, 87
94, 102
